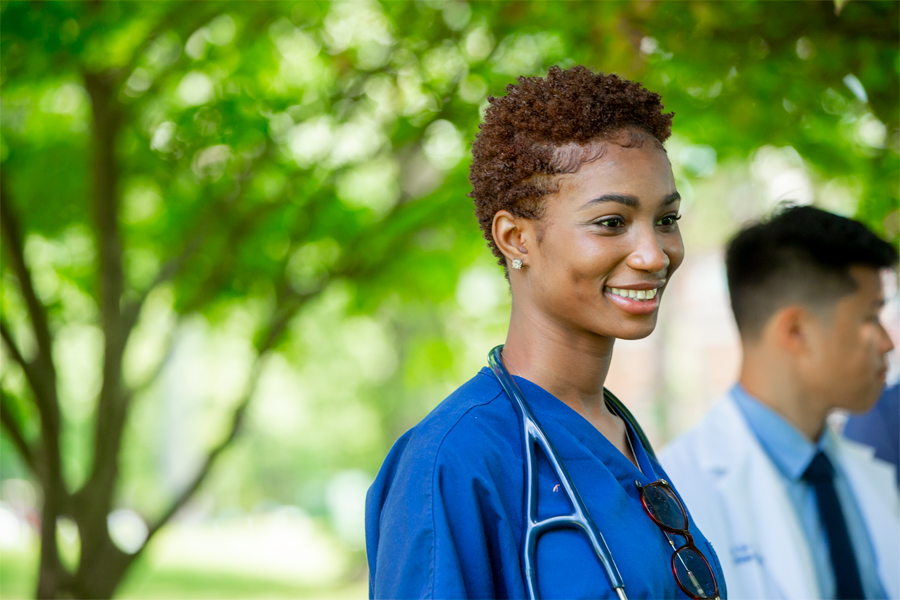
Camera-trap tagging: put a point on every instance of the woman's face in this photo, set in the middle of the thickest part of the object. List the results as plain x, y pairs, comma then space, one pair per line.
607, 244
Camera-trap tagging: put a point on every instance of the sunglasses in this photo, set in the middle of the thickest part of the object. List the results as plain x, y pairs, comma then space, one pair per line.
692, 571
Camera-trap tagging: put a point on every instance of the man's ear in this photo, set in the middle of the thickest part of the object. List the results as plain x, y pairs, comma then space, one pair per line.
793, 328
513, 235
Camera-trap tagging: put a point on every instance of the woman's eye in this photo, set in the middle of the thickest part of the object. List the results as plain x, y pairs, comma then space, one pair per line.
612, 222
669, 220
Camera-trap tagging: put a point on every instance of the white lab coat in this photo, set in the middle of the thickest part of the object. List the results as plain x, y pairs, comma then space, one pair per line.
737, 497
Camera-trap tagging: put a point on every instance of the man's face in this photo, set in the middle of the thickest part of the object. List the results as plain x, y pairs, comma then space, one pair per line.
848, 350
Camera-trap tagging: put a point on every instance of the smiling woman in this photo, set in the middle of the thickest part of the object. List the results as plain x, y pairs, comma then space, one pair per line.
574, 191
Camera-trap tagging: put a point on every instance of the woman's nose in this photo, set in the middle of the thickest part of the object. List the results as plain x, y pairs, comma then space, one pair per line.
648, 254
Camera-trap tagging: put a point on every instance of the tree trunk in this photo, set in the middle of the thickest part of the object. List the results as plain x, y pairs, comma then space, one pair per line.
53, 579
101, 565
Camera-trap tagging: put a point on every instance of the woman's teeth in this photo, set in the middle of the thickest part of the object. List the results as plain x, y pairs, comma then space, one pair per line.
634, 294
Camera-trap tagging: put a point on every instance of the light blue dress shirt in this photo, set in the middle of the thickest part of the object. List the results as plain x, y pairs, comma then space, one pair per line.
791, 453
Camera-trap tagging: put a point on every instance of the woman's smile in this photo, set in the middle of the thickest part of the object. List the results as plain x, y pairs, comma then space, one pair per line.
635, 301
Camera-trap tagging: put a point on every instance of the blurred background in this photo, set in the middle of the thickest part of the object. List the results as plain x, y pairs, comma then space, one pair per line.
239, 260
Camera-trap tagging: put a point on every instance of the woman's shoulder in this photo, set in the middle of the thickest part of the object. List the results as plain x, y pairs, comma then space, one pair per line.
467, 407
441, 482
469, 427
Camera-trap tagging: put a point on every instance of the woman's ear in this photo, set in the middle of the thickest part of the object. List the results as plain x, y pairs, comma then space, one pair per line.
511, 234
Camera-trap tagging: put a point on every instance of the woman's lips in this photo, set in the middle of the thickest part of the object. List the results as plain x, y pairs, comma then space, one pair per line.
634, 301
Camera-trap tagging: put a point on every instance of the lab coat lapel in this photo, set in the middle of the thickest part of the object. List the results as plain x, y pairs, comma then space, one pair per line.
771, 529
869, 478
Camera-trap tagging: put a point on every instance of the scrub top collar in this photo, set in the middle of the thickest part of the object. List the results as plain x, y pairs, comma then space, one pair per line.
545, 405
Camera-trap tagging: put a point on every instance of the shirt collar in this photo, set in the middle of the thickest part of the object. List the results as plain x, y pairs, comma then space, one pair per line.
786, 446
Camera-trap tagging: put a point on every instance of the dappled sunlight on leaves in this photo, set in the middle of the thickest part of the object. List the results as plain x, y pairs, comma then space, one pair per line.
277, 194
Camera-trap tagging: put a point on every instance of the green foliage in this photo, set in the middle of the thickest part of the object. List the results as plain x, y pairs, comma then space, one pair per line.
289, 185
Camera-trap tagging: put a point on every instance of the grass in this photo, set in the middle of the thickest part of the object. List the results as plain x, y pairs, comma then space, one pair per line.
149, 583
145, 581
18, 571
272, 557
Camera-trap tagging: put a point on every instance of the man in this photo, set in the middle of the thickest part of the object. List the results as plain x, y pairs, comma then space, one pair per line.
794, 510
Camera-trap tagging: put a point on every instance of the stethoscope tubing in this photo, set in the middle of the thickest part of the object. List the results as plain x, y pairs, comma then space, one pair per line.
580, 519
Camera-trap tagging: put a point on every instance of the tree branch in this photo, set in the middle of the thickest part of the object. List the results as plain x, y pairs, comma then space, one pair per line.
176, 20
112, 404
47, 404
204, 470
277, 324
144, 385
15, 243
291, 304
106, 220
43, 398
173, 266
12, 426
167, 272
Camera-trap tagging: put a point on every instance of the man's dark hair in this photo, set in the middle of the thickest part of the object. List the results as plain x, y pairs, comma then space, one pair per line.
801, 255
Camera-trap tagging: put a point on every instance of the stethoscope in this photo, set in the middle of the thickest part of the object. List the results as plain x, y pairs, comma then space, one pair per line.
579, 519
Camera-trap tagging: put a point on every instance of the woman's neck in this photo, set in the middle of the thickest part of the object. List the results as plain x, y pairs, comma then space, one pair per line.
570, 365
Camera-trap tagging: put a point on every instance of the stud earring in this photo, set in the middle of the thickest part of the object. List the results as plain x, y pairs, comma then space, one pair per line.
517, 263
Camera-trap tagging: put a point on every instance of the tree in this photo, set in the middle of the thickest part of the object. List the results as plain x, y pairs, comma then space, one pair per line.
245, 208
251, 156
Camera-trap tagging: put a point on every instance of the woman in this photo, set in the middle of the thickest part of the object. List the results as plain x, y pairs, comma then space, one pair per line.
575, 195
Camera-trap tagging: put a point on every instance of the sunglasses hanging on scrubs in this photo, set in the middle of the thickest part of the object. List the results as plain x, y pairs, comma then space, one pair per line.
691, 569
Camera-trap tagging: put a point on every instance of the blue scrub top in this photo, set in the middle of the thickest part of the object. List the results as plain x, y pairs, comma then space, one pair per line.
444, 518
880, 427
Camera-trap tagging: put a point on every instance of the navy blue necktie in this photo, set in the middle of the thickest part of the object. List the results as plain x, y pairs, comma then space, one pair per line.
820, 474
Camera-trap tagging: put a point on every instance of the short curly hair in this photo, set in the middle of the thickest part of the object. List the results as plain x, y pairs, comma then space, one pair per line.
545, 127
